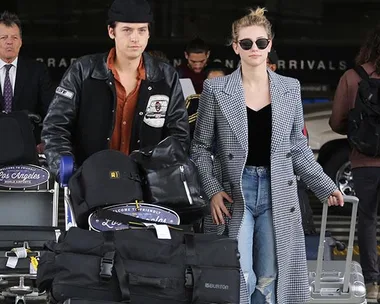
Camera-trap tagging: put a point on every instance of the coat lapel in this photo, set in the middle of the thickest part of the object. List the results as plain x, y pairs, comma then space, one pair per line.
232, 105
280, 109
21, 77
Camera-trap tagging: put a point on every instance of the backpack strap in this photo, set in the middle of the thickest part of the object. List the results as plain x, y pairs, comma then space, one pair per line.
361, 72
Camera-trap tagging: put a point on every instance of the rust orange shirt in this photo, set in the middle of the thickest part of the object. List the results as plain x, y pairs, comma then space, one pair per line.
125, 108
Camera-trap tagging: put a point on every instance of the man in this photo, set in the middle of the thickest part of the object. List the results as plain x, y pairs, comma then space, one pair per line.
124, 100
365, 168
25, 83
196, 54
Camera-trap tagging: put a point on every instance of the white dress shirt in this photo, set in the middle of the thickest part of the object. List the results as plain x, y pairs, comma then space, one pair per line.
12, 74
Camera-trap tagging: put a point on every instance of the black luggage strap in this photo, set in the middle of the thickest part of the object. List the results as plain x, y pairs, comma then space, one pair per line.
111, 260
191, 259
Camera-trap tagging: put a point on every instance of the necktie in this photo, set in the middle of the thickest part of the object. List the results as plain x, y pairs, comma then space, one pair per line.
8, 92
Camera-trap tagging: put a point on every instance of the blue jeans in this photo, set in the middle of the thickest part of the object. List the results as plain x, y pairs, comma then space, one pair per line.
256, 238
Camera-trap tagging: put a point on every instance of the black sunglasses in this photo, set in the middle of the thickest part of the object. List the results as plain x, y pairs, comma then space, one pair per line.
261, 43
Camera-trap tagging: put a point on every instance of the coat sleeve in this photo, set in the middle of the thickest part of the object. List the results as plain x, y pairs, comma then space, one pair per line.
59, 122
304, 162
201, 148
177, 121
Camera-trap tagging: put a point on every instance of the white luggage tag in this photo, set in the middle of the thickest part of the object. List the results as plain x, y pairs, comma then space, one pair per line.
163, 232
20, 252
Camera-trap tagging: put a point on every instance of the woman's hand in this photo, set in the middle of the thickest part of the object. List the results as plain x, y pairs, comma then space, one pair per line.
336, 199
218, 208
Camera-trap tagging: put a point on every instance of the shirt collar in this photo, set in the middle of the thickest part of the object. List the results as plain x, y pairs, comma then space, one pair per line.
3, 63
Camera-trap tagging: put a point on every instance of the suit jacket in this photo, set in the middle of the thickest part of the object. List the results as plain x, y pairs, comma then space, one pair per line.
33, 90
222, 119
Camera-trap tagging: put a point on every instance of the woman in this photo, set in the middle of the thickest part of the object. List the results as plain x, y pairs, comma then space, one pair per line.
255, 119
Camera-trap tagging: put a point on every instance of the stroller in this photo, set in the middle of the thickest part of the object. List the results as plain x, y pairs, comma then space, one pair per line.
28, 218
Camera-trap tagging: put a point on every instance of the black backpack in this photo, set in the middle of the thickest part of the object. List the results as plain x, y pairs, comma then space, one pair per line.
364, 119
106, 178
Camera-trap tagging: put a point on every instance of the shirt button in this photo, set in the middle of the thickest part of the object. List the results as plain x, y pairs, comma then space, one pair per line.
288, 155
124, 122
138, 141
292, 209
149, 88
290, 182
110, 83
108, 139
141, 113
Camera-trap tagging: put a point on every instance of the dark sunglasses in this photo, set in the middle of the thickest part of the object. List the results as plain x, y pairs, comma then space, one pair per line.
261, 43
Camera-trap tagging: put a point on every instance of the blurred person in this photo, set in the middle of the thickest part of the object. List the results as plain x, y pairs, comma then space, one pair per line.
272, 60
25, 83
197, 53
159, 55
215, 69
255, 118
365, 169
123, 100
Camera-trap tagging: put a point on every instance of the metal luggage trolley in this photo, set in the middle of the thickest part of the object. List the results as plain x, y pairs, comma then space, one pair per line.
28, 218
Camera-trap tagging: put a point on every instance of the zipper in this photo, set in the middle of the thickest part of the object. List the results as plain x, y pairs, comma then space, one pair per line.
186, 186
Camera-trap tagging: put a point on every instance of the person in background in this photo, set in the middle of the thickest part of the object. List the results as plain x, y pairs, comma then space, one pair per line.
272, 60
365, 169
197, 53
25, 83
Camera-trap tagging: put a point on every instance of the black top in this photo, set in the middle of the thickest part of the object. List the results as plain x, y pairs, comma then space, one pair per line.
259, 136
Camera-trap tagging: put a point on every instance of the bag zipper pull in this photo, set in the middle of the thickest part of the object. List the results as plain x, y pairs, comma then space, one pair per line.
187, 190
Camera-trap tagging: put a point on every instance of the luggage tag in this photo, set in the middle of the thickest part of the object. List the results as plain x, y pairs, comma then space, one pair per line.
20, 252
163, 232
33, 264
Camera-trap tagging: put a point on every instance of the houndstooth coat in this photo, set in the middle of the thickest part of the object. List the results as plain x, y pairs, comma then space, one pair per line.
222, 127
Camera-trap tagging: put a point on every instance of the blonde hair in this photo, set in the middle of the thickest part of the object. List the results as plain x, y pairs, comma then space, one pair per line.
255, 17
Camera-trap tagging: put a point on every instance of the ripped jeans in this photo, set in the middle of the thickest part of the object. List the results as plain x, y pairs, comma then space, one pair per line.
256, 238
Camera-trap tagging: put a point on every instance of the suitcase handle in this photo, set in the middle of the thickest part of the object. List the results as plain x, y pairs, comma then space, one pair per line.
347, 199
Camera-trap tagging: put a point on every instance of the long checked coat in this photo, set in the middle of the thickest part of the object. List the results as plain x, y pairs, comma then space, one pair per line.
222, 127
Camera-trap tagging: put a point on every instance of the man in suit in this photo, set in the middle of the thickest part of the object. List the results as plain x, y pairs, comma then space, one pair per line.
25, 83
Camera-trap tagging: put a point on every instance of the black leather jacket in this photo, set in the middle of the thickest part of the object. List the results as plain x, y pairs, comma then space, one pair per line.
81, 117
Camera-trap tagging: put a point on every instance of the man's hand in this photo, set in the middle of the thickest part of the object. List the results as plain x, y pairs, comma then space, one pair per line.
218, 208
336, 199
41, 148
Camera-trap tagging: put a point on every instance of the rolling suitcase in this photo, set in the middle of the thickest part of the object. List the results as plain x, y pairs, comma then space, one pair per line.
335, 281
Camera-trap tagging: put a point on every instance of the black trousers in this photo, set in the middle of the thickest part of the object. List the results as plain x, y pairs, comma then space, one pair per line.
367, 188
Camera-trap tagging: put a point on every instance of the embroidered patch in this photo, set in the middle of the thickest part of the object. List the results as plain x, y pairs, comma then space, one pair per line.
64, 92
156, 111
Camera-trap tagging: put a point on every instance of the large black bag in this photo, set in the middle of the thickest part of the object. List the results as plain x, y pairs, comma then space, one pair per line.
18, 145
171, 179
134, 265
106, 178
364, 119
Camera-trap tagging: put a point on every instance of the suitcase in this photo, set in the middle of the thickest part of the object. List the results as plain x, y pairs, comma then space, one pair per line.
335, 281
17, 275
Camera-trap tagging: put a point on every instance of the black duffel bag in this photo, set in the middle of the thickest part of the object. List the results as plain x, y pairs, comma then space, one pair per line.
106, 178
134, 266
170, 179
